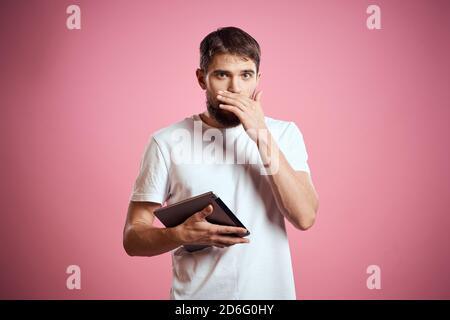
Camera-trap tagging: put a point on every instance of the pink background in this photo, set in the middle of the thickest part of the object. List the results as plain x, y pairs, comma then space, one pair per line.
77, 108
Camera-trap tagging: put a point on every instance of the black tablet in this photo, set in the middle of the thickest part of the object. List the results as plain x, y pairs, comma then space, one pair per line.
176, 213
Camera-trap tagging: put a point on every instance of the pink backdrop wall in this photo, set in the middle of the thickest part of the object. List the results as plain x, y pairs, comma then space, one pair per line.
77, 107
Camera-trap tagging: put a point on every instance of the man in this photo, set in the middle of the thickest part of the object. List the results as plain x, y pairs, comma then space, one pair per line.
261, 193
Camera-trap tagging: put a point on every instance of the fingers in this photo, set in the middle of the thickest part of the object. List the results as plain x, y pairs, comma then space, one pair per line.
237, 98
230, 230
214, 234
223, 239
238, 112
235, 102
228, 241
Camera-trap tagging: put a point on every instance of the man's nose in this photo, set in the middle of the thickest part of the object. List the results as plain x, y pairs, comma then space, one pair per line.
234, 86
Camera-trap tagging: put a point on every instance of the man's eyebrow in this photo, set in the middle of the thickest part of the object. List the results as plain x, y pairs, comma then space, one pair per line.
228, 72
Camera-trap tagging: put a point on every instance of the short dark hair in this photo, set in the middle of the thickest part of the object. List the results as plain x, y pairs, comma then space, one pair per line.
230, 40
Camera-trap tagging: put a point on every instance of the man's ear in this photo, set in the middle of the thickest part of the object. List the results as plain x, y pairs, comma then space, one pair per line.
201, 78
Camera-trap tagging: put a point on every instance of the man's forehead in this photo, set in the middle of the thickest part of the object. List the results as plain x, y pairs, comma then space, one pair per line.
231, 62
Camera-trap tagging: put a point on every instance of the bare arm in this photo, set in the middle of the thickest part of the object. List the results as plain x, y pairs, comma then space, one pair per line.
142, 238
294, 192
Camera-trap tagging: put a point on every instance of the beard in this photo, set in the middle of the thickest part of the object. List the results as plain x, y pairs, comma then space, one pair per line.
224, 117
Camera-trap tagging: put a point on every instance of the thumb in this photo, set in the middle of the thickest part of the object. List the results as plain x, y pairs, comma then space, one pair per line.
205, 212
258, 96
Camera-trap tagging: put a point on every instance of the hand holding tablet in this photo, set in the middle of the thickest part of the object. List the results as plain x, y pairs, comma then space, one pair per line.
198, 226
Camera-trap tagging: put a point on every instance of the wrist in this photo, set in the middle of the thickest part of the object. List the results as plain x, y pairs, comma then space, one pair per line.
263, 137
175, 233
263, 142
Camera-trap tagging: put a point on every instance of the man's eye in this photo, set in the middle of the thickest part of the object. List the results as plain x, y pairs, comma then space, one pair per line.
221, 74
248, 75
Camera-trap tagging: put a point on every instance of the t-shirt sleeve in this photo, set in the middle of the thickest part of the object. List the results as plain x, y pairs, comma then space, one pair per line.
294, 149
152, 182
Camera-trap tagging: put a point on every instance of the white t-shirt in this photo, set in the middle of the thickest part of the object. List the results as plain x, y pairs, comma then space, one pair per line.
260, 269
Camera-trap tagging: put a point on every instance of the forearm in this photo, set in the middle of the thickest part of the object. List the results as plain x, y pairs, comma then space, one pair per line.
296, 201
144, 240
